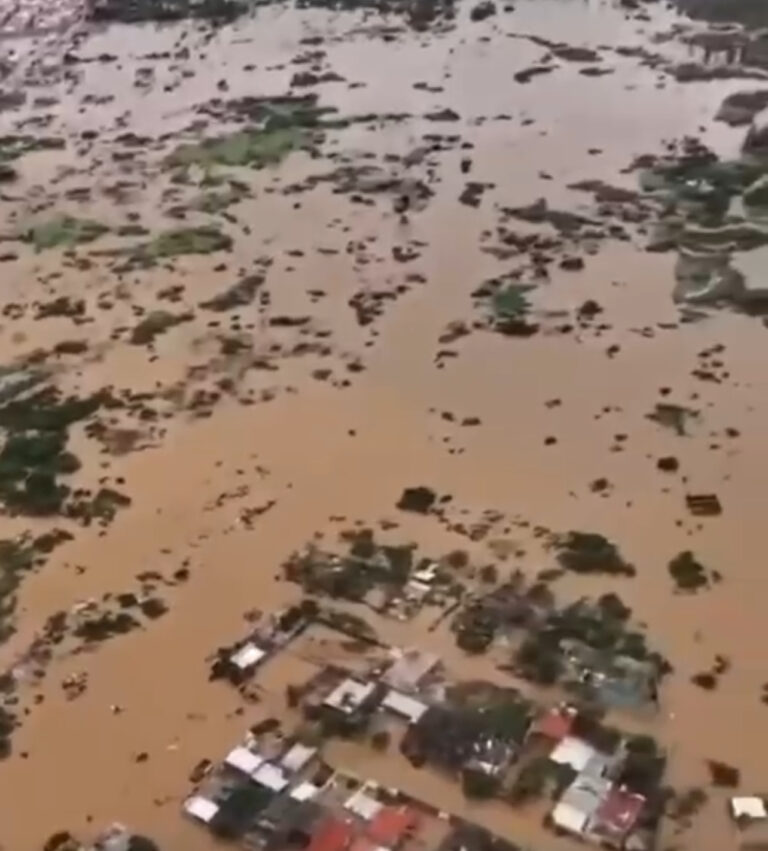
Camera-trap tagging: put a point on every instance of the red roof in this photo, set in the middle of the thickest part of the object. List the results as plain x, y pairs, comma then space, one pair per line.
331, 835
556, 724
619, 812
390, 824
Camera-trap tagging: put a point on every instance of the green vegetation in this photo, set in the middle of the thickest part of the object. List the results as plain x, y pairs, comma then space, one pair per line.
588, 552
366, 565
674, 417
688, 573
176, 242
13, 147
477, 785
511, 301
216, 202
253, 147
501, 712
7, 726
532, 781
34, 454
240, 294
17, 557
63, 230
155, 323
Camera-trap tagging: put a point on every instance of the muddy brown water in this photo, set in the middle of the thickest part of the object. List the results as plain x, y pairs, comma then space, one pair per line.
74, 762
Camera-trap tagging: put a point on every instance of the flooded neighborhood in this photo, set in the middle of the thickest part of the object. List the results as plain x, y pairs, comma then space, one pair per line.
381, 415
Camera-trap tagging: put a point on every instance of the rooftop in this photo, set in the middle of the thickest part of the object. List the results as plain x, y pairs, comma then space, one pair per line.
297, 757
574, 752
247, 656
618, 813
349, 695
389, 826
410, 668
556, 724
362, 804
580, 802
751, 808
270, 776
201, 808
243, 760
404, 705
331, 835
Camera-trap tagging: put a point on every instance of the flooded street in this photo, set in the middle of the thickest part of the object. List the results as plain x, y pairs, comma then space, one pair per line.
363, 361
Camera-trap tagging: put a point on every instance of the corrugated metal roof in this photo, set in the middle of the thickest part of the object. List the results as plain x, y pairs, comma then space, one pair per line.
243, 760
270, 776
403, 704
201, 808
570, 818
297, 757
749, 808
247, 656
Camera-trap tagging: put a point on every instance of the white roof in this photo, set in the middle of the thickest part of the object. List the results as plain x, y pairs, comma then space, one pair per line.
402, 704
363, 805
426, 574
749, 807
247, 656
579, 803
270, 776
297, 757
201, 808
304, 792
244, 760
416, 590
347, 696
574, 752
570, 818
409, 668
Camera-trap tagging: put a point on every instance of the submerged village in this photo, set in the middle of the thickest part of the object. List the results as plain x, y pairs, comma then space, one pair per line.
382, 425
541, 735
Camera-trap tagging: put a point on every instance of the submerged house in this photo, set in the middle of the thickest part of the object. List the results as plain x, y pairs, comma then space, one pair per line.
579, 804
613, 680
410, 668
349, 706
457, 739
595, 807
286, 821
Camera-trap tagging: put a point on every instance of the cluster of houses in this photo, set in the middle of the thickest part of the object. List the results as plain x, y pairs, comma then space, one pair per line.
489, 738
389, 579
270, 794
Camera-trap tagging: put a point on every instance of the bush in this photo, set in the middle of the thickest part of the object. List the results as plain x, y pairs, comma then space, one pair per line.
723, 775
478, 785
588, 552
489, 574
687, 572
292, 696
380, 741
532, 780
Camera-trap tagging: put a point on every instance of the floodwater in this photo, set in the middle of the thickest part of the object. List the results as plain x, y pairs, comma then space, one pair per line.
321, 451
